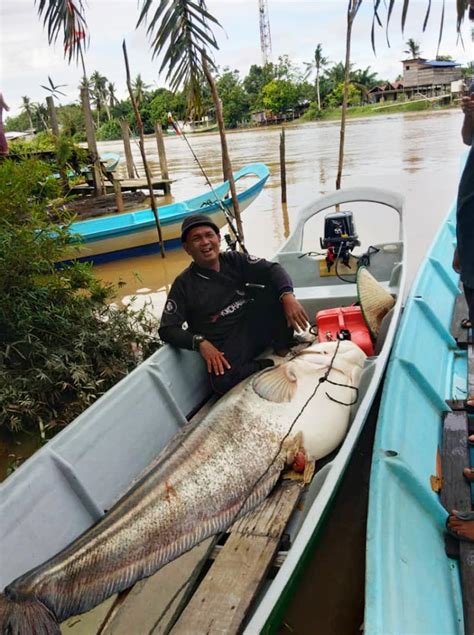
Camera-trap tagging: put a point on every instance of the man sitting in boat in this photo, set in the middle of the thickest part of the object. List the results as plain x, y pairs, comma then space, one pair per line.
234, 305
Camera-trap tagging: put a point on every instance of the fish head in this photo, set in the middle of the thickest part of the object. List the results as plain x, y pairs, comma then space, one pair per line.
300, 374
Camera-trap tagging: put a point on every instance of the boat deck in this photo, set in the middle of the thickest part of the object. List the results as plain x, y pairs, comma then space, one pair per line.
127, 185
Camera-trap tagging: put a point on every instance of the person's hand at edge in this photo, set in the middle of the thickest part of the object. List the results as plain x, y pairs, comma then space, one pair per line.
295, 314
214, 358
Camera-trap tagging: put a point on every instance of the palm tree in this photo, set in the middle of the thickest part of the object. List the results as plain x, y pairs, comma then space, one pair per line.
112, 98
26, 106
413, 48
317, 64
139, 89
98, 84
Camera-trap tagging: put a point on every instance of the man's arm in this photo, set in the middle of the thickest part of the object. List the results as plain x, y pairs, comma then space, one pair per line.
467, 130
273, 272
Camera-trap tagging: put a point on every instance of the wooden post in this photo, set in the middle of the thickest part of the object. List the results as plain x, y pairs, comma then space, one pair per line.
162, 156
226, 163
127, 148
142, 151
91, 143
118, 194
282, 166
52, 116
55, 130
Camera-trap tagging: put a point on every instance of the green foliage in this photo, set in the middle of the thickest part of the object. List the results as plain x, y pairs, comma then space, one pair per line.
280, 95
19, 123
109, 131
61, 343
235, 103
335, 98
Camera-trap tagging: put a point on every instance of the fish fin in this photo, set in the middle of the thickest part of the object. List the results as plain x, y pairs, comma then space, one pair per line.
18, 617
278, 384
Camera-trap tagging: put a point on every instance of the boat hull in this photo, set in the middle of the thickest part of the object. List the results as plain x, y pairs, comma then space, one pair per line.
411, 585
132, 234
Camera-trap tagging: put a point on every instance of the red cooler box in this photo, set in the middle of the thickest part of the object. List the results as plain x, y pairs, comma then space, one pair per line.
331, 321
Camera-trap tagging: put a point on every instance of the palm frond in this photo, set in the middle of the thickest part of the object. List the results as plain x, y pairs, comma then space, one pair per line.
66, 17
179, 32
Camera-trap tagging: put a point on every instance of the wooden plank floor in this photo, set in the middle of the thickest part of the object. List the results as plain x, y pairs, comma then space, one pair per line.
221, 603
456, 494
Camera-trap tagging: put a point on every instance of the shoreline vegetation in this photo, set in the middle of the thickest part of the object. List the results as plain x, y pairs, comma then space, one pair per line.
279, 92
63, 341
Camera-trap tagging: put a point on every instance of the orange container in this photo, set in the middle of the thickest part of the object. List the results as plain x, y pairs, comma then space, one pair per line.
330, 323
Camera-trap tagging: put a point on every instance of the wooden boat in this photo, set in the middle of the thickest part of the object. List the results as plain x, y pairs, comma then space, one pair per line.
66, 486
412, 586
134, 233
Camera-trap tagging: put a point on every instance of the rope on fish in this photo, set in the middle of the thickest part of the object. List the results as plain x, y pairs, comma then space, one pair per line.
285, 437
335, 383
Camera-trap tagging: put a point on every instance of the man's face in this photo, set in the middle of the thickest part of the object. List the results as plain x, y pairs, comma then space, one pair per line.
203, 245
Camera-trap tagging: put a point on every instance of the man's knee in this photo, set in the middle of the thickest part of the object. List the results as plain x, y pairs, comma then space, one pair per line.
223, 383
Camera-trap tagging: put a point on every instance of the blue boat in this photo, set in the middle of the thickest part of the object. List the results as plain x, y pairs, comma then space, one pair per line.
411, 584
135, 233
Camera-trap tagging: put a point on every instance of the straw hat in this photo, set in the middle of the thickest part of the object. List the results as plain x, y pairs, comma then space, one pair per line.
374, 301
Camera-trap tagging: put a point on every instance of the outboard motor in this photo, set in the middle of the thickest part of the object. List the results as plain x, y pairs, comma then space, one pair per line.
340, 237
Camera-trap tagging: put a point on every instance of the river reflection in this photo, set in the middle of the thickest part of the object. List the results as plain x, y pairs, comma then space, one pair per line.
415, 154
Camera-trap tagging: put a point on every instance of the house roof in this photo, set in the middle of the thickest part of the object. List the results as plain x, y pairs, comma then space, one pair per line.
439, 64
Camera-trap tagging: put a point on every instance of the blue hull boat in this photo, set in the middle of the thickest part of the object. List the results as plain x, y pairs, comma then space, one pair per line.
411, 584
135, 233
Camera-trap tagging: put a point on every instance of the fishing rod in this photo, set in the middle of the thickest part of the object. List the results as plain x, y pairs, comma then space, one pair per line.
229, 217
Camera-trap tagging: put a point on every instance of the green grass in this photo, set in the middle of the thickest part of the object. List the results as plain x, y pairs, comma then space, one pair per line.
377, 109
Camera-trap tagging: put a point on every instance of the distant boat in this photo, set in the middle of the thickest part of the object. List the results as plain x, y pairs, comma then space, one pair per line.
134, 233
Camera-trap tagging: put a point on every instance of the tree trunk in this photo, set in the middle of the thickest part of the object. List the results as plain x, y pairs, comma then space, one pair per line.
318, 95
91, 143
226, 163
351, 13
142, 151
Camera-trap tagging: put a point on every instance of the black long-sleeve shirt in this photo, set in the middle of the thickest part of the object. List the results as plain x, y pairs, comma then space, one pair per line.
211, 303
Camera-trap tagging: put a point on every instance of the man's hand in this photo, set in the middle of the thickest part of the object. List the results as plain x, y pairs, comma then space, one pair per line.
295, 314
467, 105
456, 263
214, 358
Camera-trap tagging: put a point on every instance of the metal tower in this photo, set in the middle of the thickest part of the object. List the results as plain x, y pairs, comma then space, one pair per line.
265, 37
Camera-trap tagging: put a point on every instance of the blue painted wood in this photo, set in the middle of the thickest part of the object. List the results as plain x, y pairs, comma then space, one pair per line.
123, 226
412, 587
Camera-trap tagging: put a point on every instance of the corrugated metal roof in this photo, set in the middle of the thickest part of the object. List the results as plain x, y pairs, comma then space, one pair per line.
439, 63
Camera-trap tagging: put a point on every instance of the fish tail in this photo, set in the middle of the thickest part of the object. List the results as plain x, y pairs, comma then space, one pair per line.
25, 617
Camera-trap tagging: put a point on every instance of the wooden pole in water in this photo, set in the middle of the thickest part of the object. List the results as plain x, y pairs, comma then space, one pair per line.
282, 166
91, 143
226, 163
142, 151
160, 142
127, 148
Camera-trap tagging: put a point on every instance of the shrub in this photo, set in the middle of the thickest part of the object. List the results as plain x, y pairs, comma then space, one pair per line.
62, 344
109, 131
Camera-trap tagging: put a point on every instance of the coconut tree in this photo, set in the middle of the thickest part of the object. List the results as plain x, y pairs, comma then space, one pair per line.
112, 98
412, 48
139, 89
26, 107
319, 62
98, 84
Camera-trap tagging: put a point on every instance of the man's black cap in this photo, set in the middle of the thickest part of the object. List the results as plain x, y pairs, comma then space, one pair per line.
195, 220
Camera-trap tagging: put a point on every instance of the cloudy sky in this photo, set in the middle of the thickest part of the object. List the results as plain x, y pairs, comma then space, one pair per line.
296, 28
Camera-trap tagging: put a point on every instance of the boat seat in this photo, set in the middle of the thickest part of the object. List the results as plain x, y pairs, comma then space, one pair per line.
344, 293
